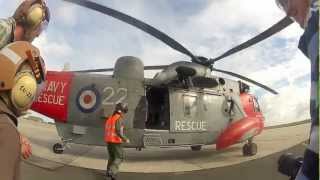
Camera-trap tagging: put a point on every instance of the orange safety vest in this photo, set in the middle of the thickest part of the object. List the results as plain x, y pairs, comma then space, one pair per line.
110, 135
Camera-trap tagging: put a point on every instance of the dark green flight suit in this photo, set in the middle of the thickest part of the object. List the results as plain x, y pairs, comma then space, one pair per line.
116, 153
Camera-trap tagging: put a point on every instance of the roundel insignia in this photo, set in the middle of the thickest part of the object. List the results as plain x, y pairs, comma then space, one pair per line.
88, 99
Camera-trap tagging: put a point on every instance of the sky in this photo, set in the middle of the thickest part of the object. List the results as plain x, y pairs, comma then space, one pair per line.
86, 39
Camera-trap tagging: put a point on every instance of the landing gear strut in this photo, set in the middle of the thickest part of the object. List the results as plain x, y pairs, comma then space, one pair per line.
58, 148
250, 148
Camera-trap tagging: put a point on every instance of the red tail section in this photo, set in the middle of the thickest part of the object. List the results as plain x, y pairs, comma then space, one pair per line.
53, 100
245, 128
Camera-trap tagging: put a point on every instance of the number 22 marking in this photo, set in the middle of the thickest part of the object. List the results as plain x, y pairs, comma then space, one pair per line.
121, 92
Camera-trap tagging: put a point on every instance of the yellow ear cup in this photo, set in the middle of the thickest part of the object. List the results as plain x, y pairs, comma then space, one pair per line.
35, 15
24, 91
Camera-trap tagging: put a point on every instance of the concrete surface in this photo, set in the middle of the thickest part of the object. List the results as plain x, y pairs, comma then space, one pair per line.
154, 160
259, 169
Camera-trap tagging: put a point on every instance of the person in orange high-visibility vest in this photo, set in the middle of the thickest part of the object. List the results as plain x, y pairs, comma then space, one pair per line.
114, 137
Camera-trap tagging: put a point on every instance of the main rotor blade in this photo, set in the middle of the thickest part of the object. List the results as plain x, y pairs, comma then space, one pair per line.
286, 21
112, 69
136, 23
94, 70
155, 67
246, 79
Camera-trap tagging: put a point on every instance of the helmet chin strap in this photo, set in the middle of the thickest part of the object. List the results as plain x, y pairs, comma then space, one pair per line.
27, 36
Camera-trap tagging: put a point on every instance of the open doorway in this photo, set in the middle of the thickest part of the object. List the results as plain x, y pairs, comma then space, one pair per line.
158, 109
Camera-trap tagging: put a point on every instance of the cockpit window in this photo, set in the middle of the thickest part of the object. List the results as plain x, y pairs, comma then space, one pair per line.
190, 105
256, 105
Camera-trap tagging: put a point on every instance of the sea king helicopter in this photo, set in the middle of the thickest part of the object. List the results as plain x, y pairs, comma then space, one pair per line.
183, 105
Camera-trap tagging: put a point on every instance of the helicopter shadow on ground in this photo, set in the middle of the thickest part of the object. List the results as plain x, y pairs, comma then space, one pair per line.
160, 154
207, 154
42, 148
72, 148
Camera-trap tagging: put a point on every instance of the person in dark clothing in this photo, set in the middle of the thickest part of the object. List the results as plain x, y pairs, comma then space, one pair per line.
306, 14
114, 137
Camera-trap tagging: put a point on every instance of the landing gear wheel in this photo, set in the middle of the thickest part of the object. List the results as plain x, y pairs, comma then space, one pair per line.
195, 148
250, 149
58, 148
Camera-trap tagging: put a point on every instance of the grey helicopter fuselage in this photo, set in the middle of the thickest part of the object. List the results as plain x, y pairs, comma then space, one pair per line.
162, 111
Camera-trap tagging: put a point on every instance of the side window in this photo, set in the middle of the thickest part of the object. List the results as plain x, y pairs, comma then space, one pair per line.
190, 105
256, 106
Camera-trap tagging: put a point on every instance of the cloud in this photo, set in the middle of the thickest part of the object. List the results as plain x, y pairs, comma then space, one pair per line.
290, 70
66, 15
55, 52
292, 105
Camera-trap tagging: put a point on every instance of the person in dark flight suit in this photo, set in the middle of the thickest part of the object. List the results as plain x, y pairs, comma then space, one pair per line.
114, 137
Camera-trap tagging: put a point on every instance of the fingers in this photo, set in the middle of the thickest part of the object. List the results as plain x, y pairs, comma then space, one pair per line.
26, 149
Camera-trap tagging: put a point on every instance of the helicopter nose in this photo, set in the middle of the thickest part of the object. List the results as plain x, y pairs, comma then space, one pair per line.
239, 131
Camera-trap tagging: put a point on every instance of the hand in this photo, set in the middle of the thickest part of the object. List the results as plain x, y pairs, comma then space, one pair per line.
26, 151
127, 141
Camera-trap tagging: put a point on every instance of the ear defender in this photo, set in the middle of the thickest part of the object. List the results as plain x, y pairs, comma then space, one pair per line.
35, 15
23, 91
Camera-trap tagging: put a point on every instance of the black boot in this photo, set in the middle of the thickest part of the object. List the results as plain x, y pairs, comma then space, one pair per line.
113, 178
108, 173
